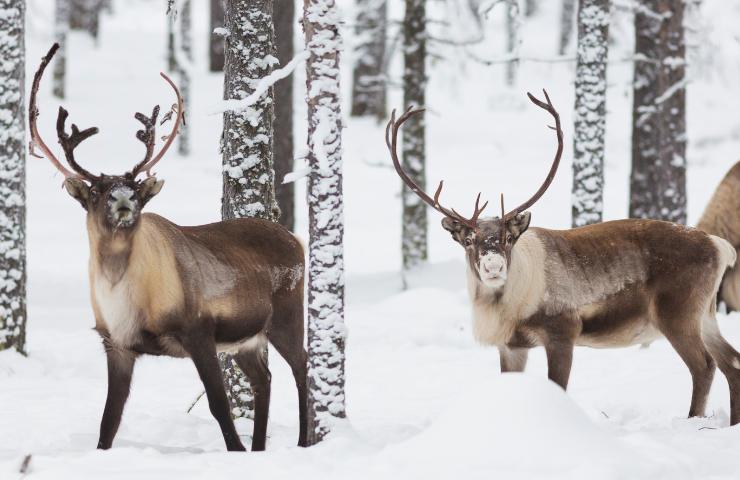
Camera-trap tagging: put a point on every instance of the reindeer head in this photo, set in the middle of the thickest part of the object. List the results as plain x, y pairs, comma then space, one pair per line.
488, 242
114, 202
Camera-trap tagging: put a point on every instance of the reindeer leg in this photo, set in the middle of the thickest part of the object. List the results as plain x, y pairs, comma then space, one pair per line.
254, 365
120, 369
513, 359
202, 350
559, 360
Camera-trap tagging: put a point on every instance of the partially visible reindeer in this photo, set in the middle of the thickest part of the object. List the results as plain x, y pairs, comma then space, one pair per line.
611, 284
722, 218
161, 289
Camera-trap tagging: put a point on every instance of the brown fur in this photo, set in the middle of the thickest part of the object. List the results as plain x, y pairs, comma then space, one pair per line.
612, 284
721, 217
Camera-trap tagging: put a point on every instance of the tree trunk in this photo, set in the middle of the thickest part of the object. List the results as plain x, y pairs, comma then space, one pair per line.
85, 15
216, 42
13, 174
369, 81
61, 27
590, 112
658, 177
567, 14
248, 176
530, 7
512, 40
284, 20
186, 51
414, 217
326, 330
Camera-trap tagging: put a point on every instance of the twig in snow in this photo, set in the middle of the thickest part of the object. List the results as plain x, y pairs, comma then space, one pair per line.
25, 465
192, 405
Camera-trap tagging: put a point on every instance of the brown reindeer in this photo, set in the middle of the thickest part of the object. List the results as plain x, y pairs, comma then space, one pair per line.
611, 284
161, 289
722, 218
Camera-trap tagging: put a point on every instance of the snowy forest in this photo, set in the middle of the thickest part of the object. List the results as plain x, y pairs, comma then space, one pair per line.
351, 226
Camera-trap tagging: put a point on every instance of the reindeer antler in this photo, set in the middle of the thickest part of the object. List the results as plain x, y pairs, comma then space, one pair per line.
391, 140
555, 163
70, 142
149, 163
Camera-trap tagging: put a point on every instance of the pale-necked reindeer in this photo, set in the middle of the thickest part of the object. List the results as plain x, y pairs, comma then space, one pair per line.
722, 218
611, 284
162, 289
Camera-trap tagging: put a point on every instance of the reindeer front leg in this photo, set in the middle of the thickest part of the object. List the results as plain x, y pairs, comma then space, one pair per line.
560, 336
513, 359
120, 369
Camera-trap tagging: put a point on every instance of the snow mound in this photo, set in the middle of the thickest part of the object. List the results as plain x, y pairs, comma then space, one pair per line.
525, 427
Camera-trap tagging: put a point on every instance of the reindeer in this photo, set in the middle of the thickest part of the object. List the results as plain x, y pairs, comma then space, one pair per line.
161, 289
612, 284
722, 218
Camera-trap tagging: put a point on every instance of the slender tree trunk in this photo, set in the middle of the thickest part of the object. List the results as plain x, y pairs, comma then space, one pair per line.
531, 7
414, 217
513, 22
284, 20
183, 72
13, 174
61, 27
658, 178
215, 41
567, 14
248, 176
590, 112
368, 81
326, 330
85, 15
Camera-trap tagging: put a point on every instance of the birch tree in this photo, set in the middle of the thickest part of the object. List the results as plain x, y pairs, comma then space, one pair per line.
248, 176
658, 177
12, 177
590, 112
61, 28
326, 330
284, 20
413, 148
368, 80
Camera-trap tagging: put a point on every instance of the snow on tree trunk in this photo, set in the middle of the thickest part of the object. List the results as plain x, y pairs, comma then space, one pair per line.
216, 41
414, 216
658, 178
61, 28
368, 81
513, 23
284, 20
248, 176
567, 11
12, 177
326, 330
590, 112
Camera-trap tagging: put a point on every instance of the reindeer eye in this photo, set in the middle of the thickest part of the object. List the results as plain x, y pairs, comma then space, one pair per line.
509, 238
468, 242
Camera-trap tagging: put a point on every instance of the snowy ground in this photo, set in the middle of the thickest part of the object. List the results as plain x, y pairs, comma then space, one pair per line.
424, 401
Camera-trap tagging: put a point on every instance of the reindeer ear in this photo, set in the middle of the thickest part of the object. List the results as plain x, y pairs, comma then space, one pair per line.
457, 229
519, 224
78, 189
149, 188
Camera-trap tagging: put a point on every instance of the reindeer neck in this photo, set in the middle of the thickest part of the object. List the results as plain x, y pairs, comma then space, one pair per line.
110, 252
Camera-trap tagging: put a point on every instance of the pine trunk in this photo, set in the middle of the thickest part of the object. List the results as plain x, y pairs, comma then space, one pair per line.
658, 178
590, 112
85, 15
216, 42
326, 330
530, 7
248, 176
368, 81
13, 174
567, 14
284, 20
414, 217
61, 27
